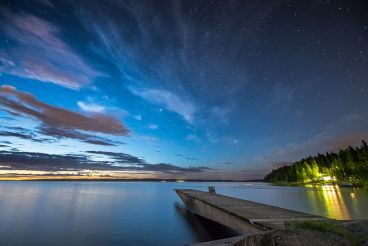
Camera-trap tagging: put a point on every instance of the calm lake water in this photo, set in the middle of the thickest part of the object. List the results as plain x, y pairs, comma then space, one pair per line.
144, 213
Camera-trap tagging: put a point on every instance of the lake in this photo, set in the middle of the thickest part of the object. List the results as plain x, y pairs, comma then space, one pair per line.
144, 213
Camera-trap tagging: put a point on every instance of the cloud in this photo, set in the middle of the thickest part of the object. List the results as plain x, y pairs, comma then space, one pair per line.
7, 118
5, 142
138, 117
91, 107
221, 113
118, 161
61, 133
123, 158
55, 117
230, 140
41, 161
120, 157
58, 133
170, 101
187, 157
23, 134
39, 53
168, 168
212, 138
178, 75
149, 138
153, 126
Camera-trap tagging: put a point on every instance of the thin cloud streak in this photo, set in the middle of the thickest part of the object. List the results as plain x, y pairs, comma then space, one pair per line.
52, 162
22, 135
122, 158
170, 101
91, 107
41, 54
61, 133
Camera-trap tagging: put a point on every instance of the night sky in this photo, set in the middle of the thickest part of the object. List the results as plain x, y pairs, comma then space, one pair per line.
178, 89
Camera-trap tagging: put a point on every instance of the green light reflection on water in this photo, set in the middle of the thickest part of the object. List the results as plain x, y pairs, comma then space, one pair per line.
328, 200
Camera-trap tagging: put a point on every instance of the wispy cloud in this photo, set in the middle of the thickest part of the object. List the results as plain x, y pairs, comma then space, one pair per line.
148, 138
22, 133
91, 107
41, 161
221, 114
61, 133
39, 53
170, 101
153, 126
123, 158
118, 157
212, 137
54, 134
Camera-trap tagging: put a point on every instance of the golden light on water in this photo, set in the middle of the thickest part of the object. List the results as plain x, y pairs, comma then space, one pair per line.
333, 202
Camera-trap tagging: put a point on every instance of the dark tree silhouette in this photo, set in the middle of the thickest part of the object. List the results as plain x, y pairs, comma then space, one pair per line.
348, 165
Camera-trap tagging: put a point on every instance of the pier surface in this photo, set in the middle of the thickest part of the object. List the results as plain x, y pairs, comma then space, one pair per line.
238, 214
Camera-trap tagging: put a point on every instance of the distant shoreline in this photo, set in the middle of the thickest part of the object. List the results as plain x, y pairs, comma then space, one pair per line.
136, 180
341, 184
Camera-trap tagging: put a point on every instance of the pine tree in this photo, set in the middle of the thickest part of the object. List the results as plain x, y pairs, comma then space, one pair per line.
350, 164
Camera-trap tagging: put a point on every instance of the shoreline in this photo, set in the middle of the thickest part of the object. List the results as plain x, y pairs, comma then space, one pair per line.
302, 184
281, 184
136, 180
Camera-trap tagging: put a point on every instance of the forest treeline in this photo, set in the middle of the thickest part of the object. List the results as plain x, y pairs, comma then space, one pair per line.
346, 166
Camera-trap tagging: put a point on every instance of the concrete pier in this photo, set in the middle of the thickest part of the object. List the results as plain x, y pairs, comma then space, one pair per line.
246, 216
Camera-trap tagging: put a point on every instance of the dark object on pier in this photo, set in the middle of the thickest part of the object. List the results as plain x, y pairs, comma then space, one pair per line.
211, 189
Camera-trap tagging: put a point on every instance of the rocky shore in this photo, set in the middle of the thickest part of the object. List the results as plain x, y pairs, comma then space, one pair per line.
329, 233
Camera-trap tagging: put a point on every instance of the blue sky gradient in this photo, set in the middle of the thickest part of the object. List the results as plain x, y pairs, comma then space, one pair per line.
196, 89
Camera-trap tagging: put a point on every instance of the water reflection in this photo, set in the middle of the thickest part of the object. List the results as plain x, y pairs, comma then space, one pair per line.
144, 213
328, 200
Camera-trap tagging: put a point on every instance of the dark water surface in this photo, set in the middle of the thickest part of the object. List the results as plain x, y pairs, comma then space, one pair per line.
144, 213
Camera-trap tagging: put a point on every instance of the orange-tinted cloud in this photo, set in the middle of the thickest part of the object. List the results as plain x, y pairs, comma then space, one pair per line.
26, 104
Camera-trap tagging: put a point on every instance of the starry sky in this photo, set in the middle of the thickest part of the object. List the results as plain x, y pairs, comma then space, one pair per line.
178, 89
